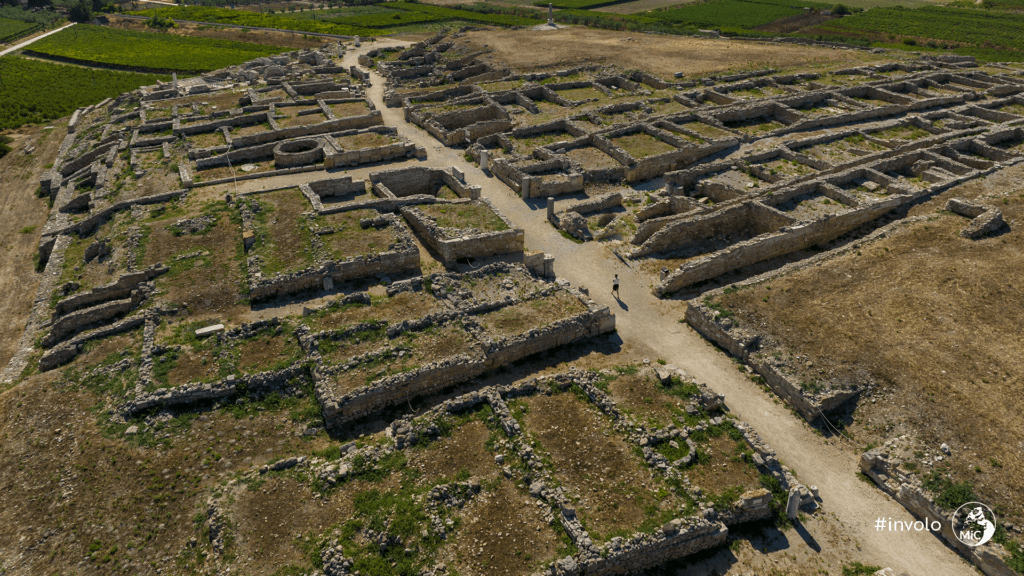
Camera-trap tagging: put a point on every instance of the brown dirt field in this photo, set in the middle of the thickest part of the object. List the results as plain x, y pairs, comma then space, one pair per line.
273, 515
261, 353
306, 120
516, 547
350, 109
402, 306
211, 287
288, 247
79, 485
351, 239
609, 483
659, 55
208, 139
592, 158
448, 456
21, 209
283, 39
360, 141
934, 318
193, 366
722, 472
222, 100
524, 316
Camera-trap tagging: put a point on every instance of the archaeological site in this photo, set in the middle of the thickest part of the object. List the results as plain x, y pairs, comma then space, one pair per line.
349, 309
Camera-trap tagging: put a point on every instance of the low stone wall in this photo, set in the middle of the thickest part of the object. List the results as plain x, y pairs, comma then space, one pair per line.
443, 373
66, 351
117, 289
193, 393
478, 245
64, 326
742, 343
766, 246
906, 489
351, 123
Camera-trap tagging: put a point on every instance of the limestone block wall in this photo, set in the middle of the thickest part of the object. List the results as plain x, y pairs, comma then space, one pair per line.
67, 350
443, 373
475, 245
230, 122
743, 343
770, 245
352, 122
66, 325
990, 558
119, 288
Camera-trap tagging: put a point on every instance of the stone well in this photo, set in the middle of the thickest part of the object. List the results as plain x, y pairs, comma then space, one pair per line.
298, 153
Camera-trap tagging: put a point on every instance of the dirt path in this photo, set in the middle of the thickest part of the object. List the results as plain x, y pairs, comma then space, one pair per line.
27, 42
643, 318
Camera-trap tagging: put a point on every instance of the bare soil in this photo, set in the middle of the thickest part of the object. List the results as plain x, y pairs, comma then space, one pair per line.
350, 109
609, 483
208, 286
521, 317
522, 541
953, 305
367, 140
22, 215
657, 54
273, 515
463, 450
351, 239
401, 306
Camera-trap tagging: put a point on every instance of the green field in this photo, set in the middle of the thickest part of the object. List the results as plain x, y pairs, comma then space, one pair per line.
148, 50
246, 18
955, 25
13, 29
34, 92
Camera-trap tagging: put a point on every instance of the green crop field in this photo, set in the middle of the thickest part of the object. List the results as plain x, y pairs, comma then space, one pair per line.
246, 18
13, 29
576, 4
148, 50
726, 14
37, 92
442, 13
988, 29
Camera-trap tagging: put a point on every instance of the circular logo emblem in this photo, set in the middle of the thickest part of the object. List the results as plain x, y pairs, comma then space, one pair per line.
973, 524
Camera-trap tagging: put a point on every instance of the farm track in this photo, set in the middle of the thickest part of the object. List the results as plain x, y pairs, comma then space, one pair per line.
27, 42
642, 319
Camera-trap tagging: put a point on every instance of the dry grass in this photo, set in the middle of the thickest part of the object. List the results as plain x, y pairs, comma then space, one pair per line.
524, 316
285, 245
347, 109
934, 318
463, 450
657, 54
365, 140
401, 306
610, 485
475, 215
351, 239
592, 158
641, 145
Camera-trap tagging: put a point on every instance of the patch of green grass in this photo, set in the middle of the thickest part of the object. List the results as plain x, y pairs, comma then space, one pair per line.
858, 569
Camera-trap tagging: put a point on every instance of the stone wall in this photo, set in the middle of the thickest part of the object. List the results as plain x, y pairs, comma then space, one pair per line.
906, 489
119, 288
477, 245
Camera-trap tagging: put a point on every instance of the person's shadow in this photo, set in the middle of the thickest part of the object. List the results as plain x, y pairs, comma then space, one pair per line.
622, 304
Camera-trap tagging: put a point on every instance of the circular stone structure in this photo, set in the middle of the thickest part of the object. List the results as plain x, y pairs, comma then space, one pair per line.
298, 153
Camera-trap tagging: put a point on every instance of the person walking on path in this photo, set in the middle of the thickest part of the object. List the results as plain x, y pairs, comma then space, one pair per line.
615, 286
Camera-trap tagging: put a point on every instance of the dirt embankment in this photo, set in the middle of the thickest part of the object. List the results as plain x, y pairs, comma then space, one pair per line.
22, 215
